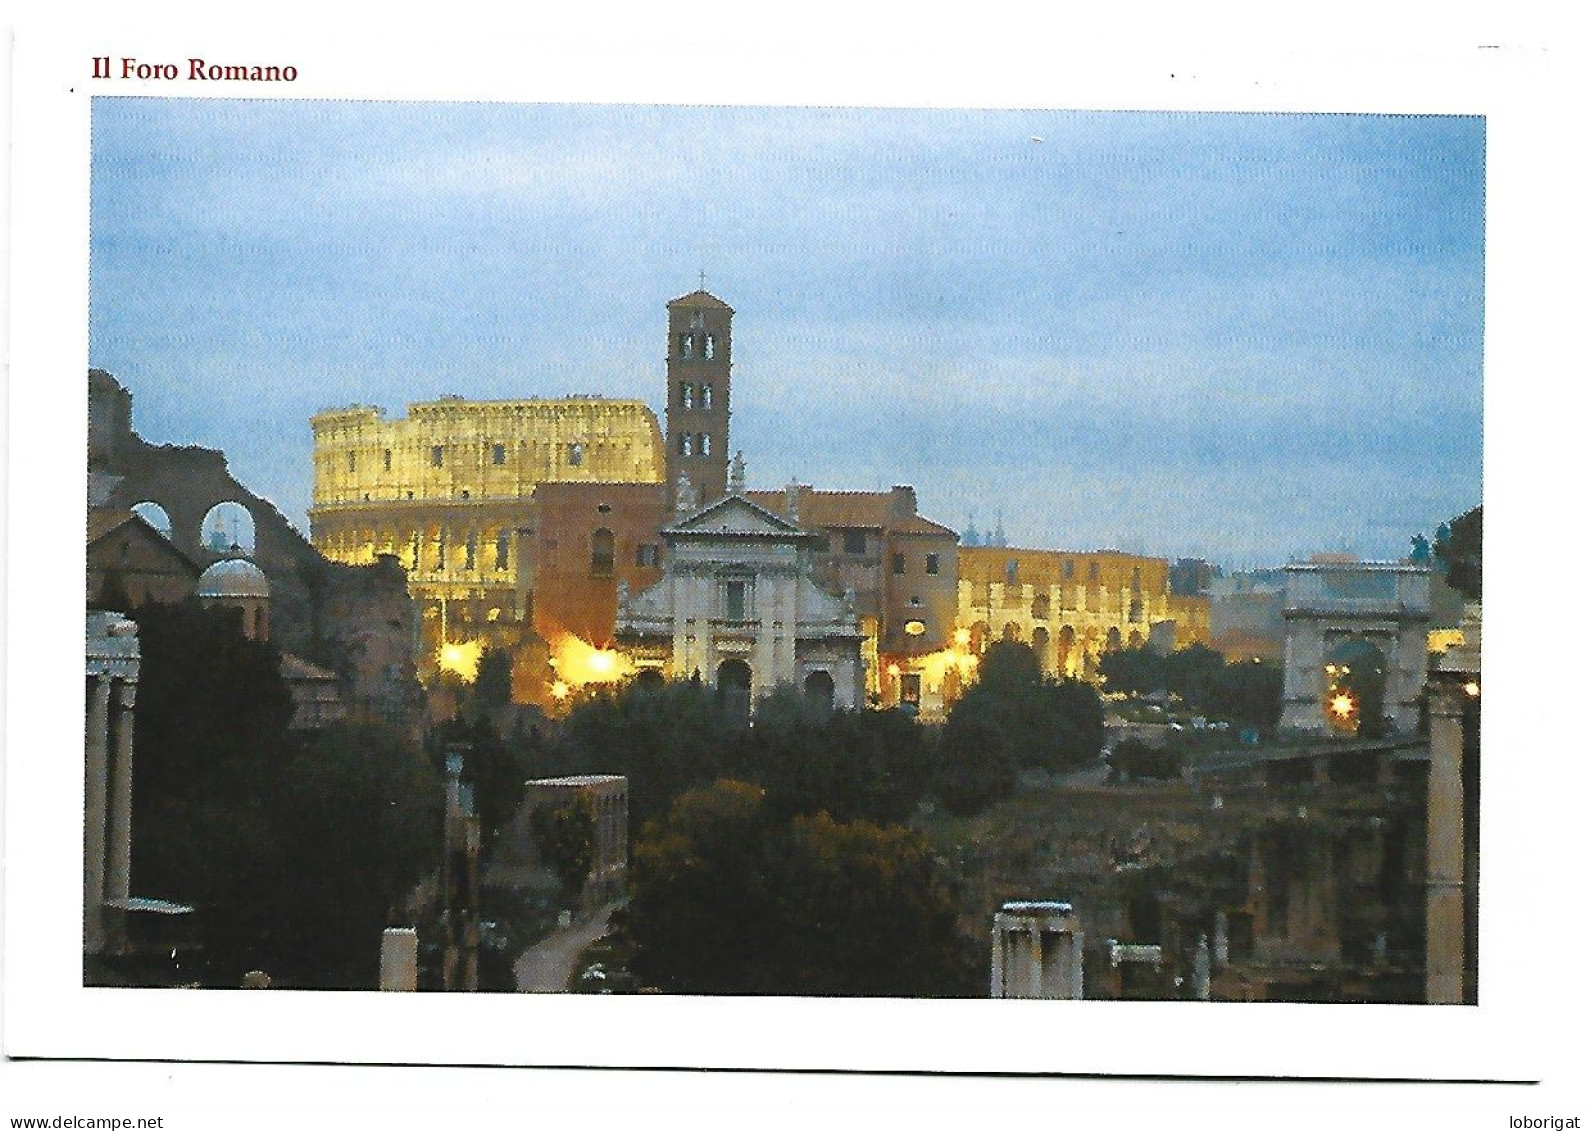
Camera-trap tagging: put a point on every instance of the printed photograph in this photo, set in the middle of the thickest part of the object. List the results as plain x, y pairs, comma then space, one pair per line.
627, 549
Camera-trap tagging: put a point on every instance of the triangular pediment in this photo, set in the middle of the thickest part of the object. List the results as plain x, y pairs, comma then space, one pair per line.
735, 515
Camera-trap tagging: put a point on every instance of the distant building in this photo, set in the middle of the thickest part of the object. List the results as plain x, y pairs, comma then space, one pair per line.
1245, 620
518, 860
902, 570
738, 606
131, 563
1071, 607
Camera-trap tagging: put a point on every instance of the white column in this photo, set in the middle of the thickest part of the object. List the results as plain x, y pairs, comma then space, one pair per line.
118, 856
94, 790
1444, 937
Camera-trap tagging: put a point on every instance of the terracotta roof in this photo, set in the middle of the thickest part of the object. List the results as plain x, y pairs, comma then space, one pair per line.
871, 510
702, 298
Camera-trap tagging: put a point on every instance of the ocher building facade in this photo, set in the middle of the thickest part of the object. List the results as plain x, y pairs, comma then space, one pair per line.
1072, 607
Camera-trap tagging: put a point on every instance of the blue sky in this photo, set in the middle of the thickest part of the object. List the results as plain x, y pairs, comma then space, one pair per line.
1241, 336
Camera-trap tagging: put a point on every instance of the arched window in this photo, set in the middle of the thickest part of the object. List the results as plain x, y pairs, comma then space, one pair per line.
704, 443
712, 347
1040, 607
502, 550
687, 444
576, 454
687, 394
706, 395
469, 551
687, 345
602, 553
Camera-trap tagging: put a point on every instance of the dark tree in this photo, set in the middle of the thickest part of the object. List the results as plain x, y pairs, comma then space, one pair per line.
1458, 547
493, 686
565, 836
292, 849
835, 907
975, 768
664, 739
1039, 723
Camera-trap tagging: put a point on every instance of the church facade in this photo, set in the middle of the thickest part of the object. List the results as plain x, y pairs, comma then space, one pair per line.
737, 607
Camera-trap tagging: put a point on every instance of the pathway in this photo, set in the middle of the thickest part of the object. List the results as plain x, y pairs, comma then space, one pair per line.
546, 966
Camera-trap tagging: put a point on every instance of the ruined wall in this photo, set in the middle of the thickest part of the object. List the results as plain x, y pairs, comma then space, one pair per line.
355, 620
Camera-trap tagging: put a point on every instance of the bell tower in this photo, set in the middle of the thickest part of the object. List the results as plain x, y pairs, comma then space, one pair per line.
699, 351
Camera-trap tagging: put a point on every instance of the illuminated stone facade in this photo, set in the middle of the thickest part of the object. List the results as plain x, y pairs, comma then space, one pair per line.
738, 607
901, 570
1073, 607
449, 491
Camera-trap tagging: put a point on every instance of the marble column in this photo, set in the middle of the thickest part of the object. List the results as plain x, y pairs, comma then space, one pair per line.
94, 791
118, 856
1444, 847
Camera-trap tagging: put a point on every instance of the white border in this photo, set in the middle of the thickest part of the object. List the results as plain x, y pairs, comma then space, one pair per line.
825, 54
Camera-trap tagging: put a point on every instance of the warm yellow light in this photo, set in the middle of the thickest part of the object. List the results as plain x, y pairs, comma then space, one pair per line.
915, 628
1471, 689
560, 690
579, 663
1342, 705
894, 669
963, 637
462, 660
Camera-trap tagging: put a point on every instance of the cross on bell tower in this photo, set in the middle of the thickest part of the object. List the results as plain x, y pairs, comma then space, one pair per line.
699, 351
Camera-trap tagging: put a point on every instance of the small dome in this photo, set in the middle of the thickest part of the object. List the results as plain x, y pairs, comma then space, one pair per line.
234, 578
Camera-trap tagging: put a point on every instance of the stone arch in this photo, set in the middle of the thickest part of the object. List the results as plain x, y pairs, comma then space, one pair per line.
649, 678
1353, 696
1135, 640
734, 690
819, 690
1011, 632
228, 528
1112, 639
981, 632
155, 515
1040, 606
1065, 648
1326, 605
1040, 648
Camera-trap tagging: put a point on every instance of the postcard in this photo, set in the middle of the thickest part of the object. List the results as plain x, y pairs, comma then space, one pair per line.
604, 561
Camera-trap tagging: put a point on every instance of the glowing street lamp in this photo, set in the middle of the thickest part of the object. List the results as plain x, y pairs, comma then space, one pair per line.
1342, 705
963, 637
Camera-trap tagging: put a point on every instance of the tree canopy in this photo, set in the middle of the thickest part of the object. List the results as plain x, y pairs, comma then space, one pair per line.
1459, 549
292, 848
729, 897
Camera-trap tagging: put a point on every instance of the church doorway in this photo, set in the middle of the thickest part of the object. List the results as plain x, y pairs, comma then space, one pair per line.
734, 690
